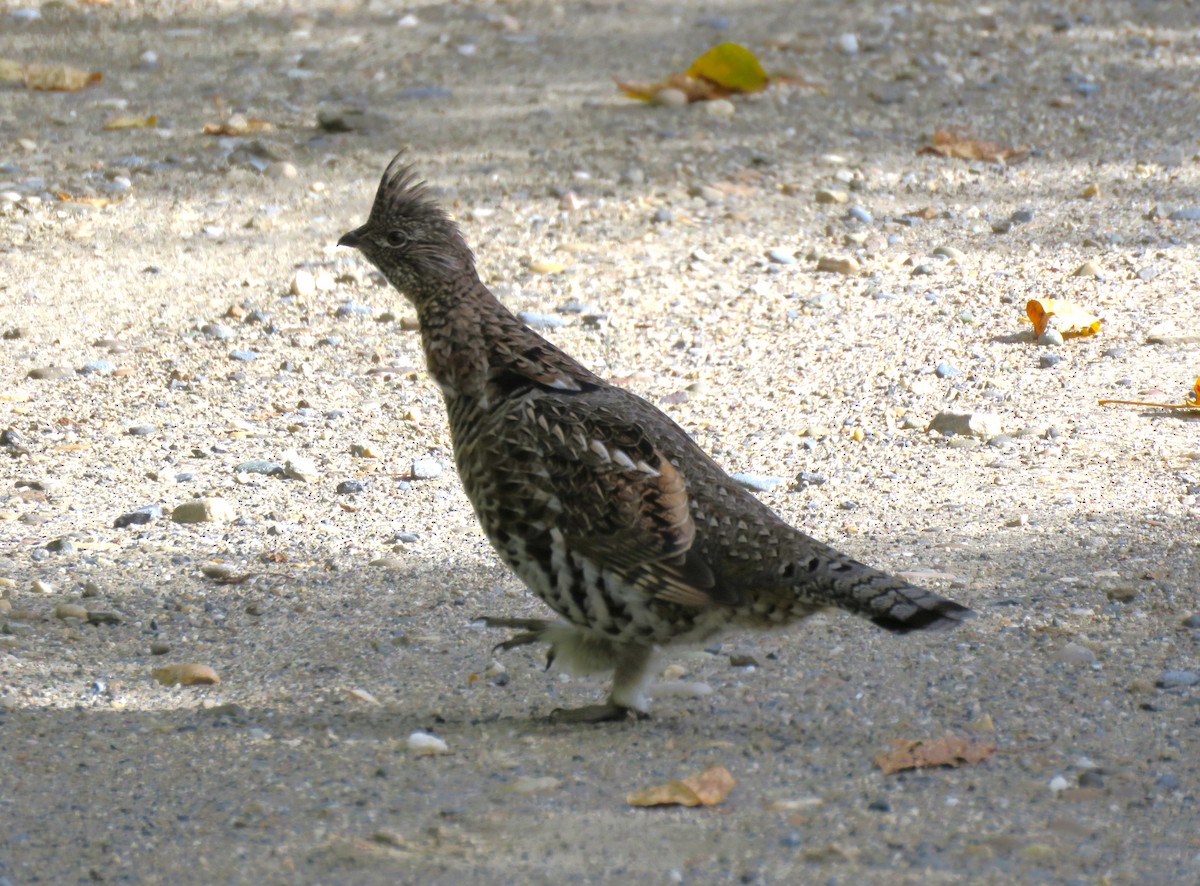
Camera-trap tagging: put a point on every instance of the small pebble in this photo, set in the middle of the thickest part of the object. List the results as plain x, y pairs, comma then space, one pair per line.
1192, 621
50, 373
838, 265
781, 256
984, 425
949, 253
97, 367
535, 320
141, 430
299, 467
1058, 784
847, 44
1048, 361
203, 510
70, 610
1176, 679
140, 517
670, 98
350, 309
1050, 338
719, 107
188, 674
758, 482
946, 370
304, 284
219, 331
828, 195
1148, 273
426, 469
350, 487
859, 214
1075, 654
243, 355
1190, 213
268, 468
423, 744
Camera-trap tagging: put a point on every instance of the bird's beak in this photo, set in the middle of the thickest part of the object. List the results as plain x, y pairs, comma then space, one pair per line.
353, 239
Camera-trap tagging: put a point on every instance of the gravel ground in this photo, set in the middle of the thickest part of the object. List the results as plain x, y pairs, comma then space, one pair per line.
205, 339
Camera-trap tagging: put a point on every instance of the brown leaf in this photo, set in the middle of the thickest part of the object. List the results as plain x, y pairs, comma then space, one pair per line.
948, 143
707, 788
950, 750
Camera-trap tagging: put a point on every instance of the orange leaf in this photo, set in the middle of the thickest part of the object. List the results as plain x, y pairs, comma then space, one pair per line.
98, 202
950, 750
59, 78
948, 143
1067, 317
707, 788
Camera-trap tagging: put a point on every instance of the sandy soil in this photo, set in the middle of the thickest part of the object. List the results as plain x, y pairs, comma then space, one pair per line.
218, 325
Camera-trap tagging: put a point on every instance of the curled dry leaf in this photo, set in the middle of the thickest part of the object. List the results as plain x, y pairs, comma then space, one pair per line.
1068, 318
59, 78
951, 750
98, 202
190, 674
129, 121
1192, 401
949, 143
726, 69
707, 788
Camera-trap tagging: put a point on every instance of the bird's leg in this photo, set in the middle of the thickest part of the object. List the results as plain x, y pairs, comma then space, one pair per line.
631, 663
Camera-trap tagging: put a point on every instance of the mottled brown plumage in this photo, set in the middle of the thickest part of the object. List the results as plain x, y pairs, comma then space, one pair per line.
603, 506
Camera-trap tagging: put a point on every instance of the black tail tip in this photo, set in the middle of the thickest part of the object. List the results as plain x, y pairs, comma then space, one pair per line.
942, 615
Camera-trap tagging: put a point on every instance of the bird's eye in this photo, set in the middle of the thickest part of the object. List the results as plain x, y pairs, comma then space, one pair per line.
397, 239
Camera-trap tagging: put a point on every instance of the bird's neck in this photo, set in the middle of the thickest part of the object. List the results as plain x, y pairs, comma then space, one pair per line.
473, 343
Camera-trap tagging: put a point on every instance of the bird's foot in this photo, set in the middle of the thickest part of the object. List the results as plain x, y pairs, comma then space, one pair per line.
533, 630
596, 713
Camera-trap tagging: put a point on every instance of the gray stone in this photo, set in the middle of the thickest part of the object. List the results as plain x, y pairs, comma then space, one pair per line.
426, 468
1177, 679
758, 482
984, 425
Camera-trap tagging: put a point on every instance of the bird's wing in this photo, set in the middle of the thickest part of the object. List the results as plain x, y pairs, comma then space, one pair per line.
622, 503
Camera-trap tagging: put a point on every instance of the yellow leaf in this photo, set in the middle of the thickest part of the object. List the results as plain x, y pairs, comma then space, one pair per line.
707, 788
98, 202
1068, 318
59, 78
732, 66
129, 121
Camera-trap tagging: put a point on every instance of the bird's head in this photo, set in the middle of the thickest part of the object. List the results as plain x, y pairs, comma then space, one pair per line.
410, 238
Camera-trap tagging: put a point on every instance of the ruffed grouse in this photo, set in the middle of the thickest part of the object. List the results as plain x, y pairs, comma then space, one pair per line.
603, 506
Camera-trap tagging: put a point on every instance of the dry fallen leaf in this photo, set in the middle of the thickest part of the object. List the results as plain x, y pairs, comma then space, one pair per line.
59, 78
1192, 401
948, 143
190, 674
1068, 318
129, 121
951, 750
707, 788
237, 124
726, 69
98, 202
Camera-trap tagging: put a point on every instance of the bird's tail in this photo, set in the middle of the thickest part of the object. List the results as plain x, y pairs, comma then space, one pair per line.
888, 601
